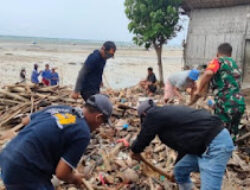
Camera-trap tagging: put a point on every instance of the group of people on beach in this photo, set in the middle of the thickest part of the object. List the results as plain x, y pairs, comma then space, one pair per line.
49, 76
54, 139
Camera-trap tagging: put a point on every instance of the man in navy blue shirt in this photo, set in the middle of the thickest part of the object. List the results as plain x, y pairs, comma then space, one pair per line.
35, 74
54, 77
90, 76
52, 143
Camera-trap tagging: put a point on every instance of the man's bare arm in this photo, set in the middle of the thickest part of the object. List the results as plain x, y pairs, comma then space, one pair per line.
205, 79
65, 173
26, 120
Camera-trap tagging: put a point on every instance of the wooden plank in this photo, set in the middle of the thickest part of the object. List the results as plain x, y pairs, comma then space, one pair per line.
246, 78
12, 95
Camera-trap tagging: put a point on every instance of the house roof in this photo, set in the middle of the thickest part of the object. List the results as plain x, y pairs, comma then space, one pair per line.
188, 5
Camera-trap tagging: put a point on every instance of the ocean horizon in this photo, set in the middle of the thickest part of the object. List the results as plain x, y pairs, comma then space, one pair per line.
67, 41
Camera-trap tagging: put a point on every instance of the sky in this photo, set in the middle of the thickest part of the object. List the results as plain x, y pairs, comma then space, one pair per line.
76, 19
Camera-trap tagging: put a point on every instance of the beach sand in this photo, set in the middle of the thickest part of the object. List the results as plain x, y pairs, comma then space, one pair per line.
127, 68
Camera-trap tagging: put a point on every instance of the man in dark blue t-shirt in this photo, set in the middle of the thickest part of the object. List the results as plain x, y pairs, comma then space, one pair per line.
54, 77
89, 78
52, 143
46, 75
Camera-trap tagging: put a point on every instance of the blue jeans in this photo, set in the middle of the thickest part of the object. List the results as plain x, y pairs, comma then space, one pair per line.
211, 165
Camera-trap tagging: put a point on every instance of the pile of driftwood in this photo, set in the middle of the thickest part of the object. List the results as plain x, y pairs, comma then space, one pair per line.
16, 101
106, 164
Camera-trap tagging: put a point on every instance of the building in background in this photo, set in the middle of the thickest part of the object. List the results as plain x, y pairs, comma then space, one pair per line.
213, 22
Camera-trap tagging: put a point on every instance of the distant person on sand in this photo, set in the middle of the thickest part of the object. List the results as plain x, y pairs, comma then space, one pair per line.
89, 78
35, 75
180, 81
54, 77
22, 75
52, 142
149, 83
46, 74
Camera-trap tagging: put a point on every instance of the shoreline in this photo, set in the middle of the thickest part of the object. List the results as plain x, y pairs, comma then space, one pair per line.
127, 68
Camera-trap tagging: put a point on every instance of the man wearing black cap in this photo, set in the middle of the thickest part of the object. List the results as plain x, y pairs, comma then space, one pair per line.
89, 78
52, 143
200, 139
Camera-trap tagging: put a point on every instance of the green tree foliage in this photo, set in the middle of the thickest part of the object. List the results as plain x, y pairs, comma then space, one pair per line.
153, 22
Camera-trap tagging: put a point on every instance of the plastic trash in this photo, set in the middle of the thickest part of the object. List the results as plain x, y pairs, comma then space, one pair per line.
210, 103
125, 126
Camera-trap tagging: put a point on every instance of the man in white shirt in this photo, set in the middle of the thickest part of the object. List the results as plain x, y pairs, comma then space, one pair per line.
180, 81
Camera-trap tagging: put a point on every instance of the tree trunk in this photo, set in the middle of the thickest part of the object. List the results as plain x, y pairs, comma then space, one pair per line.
158, 50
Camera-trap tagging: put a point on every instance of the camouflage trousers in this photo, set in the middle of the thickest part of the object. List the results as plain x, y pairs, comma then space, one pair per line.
230, 111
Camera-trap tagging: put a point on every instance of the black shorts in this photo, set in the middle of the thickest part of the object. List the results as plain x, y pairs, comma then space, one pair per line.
152, 88
85, 95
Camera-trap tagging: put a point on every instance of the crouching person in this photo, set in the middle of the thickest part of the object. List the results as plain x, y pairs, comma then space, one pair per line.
180, 81
53, 142
149, 84
200, 139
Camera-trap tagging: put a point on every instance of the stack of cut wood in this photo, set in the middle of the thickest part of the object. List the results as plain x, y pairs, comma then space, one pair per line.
16, 101
106, 164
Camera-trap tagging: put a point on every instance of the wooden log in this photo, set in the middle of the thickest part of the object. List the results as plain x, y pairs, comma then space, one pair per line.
9, 117
12, 95
32, 105
99, 187
25, 95
2, 107
50, 89
9, 102
125, 107
9, 111
87, 185
38, 95
159, 170
117, 113
17, 89
151, 184
17, 110
10, 133
106, 161
27, 87
31, 85
53, 98
69, 100
244, 137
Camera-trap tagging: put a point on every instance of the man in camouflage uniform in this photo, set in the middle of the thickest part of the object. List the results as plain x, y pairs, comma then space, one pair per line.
224, 75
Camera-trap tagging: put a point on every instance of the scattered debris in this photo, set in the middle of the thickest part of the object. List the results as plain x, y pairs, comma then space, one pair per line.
9, 54
72, 63
106, 163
